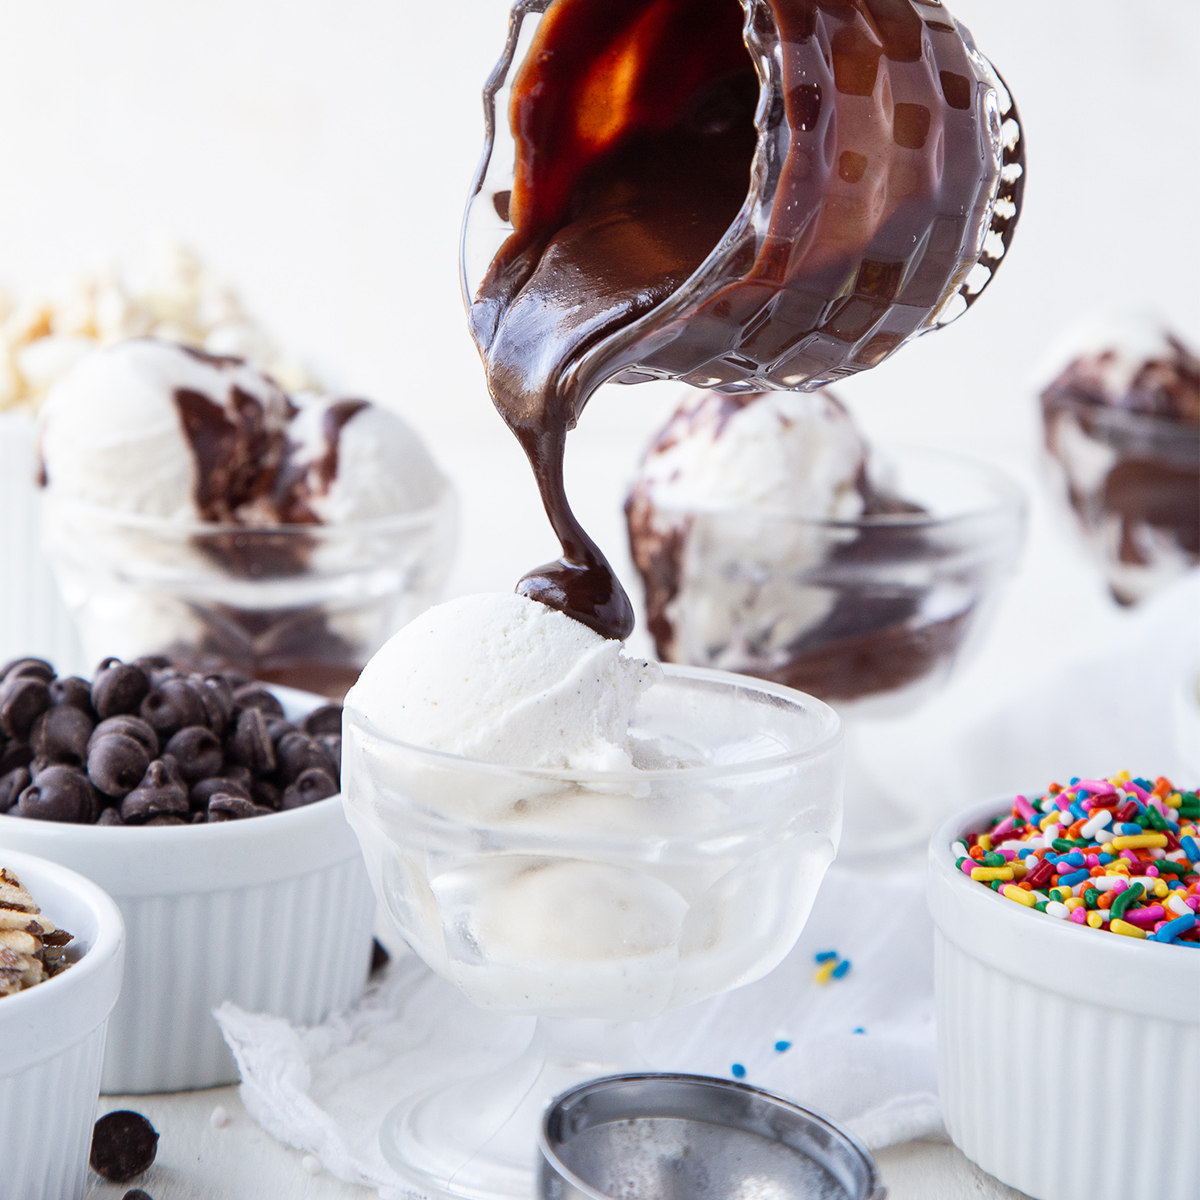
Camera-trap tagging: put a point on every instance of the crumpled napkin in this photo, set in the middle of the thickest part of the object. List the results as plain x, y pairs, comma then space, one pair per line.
862, 1047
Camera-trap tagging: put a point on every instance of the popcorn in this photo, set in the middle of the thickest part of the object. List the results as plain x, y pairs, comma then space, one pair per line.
40, 341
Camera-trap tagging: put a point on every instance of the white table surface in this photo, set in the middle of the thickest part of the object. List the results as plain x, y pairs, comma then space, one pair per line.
198, 1162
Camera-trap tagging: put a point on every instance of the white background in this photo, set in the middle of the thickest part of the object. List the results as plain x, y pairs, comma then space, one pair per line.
317, 154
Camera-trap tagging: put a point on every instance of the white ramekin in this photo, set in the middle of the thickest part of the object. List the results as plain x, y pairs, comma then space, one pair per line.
1068, 1057
52, 1040
274, 914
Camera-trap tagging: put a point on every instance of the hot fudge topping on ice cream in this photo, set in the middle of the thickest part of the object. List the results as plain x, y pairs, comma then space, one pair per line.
640, 129
163, 430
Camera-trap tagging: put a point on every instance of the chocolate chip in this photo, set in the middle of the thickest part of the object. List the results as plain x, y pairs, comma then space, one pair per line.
172, 707
239, 773
35, 668
133, 727
250, 744
59, 793
116, 764
153, 662
161, 792
110, 816
326, 719
295, 753
15, 754
233, 808
123, 1145
137, 1194
333, 743
22, 700
118, 687
217, 698
254, 695
379, 956
167, 819
204, 791
277, 728
72, 692
264, 792
61, 735
12, 785
308, 787
198, 752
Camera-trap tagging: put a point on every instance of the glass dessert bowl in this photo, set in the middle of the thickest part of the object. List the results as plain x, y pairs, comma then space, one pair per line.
1122, 419
304, 606
592, 899
871, 614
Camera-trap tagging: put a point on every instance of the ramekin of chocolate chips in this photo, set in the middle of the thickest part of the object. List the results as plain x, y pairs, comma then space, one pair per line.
148, 743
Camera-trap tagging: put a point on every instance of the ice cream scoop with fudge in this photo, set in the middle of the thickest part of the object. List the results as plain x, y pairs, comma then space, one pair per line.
771, 542
1122, 418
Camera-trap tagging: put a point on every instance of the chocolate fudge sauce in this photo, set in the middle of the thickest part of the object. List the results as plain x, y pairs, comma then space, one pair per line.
634, 123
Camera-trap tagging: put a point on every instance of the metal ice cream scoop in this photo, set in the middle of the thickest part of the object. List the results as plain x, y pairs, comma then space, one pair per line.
689, 1137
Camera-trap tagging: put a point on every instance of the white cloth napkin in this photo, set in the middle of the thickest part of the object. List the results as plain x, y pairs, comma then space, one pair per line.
861, 1048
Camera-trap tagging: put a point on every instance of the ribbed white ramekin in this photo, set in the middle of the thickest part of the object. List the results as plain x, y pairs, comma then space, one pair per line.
33, 617
1068, 1057
52, 1040
273, 913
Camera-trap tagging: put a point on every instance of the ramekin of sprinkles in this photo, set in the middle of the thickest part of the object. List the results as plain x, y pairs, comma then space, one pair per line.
1024, 908
1120, 855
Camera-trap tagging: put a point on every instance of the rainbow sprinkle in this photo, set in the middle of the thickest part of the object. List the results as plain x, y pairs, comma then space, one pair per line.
1119, 854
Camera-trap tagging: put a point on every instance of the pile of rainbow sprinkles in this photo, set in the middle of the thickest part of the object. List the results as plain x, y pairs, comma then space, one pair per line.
1119, 854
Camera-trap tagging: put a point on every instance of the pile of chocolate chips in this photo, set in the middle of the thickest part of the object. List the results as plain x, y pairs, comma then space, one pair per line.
147, 743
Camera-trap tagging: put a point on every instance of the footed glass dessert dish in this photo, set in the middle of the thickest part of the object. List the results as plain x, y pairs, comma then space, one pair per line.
592, 899
300, 605
870, 614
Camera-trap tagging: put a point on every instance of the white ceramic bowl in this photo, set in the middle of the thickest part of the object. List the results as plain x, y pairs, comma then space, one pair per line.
1068, 1057
52, 1039
274, 914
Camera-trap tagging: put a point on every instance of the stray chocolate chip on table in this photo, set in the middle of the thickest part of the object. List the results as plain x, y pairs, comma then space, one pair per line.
124, 1144
137, 1194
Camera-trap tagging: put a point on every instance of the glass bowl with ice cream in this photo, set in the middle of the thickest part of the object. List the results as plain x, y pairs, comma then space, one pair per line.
563, 830
772, 541
193, 508
1122, 421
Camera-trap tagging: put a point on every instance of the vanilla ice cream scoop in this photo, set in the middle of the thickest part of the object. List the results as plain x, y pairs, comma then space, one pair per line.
503, 679
793, 453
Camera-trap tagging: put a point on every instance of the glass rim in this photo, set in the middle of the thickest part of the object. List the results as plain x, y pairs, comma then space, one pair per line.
1010, 497
413, 518
826, 739
1120, 419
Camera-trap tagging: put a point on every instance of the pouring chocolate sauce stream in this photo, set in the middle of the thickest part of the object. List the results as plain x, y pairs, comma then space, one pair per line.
614, 207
